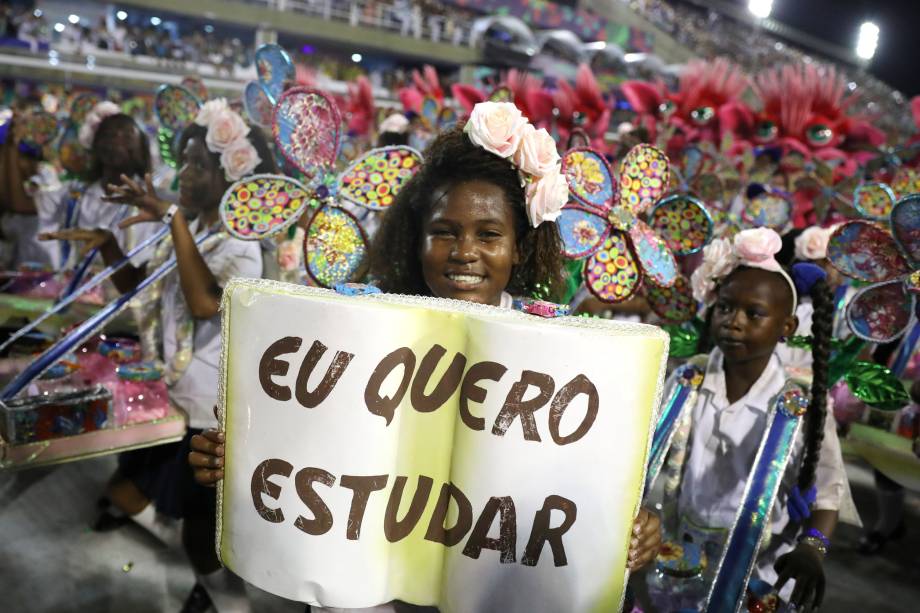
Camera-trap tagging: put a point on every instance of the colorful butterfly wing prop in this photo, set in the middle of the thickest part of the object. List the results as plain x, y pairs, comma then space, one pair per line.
257, 105
906, 181
673, 304
883, 310
612, 273
335, 246
643, 178
262, 205
874, 201
40, 128
175, 107
652, 252
430, 112
306, 127
905, 227
866, 252
501, 94
622, 249
81, 105
274, 67
74, 157
683, 222
196, 86
582, 232
766, 207
447, 118
373, 180
590, 181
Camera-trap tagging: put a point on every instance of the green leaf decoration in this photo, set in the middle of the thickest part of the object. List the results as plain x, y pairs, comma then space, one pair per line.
845, 354
876, 386
799, 342
685, 339
165, 141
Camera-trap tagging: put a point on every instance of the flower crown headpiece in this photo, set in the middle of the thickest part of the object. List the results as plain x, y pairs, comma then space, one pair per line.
500, 128
754, 248
94, 119
226, 136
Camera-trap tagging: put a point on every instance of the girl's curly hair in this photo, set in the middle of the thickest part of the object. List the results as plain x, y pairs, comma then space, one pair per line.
450, 160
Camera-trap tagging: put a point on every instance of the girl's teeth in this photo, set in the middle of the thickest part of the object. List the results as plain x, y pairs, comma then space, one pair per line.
465, 278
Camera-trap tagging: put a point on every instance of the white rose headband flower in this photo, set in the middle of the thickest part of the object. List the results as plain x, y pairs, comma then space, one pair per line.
94, 119
811, 244
227, 136
754, 248
500, 128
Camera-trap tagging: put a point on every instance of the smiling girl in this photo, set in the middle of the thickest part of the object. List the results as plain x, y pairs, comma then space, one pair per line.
476, 224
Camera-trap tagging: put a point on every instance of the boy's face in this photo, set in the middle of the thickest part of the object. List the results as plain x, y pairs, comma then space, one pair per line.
751, 313
469, 244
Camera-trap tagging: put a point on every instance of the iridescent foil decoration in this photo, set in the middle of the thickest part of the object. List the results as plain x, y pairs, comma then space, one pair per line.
753, 519
689, 380
175, 107
334, 247
262, 205
306, 128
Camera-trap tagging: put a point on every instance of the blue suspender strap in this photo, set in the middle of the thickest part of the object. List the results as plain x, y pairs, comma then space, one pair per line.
96, 280
83, 267
73, 203
78, 335
905, 350
689, 379
753, 519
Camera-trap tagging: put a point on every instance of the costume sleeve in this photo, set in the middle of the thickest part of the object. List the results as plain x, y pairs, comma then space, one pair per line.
830, 475
237, 258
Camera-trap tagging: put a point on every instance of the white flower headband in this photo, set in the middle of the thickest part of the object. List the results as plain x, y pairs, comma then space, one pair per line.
754, 248
500, 128
811, 244
93, 119
227, 136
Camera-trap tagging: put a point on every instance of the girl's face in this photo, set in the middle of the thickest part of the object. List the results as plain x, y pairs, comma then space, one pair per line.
469, 245
116, 149
751, 313
201, 180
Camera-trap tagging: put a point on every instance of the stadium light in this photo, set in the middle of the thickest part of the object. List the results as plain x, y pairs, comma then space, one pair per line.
760, 9
356, 57
59, 27
74, 19
155, 21
867, 41
121, 15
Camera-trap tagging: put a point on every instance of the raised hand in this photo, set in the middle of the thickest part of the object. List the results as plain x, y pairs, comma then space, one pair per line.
143, 196
89, 238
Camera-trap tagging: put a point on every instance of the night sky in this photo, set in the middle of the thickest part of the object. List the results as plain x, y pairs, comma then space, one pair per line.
897, 59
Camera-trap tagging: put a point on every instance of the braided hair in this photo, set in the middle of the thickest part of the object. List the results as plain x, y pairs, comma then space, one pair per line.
821, 330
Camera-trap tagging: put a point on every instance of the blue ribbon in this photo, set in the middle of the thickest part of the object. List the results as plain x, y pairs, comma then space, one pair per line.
96, 280
75, 195
83, 267
669, 418
753, 518
906, 350
78, 335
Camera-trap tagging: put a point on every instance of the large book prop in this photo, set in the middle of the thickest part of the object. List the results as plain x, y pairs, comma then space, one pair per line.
383, 447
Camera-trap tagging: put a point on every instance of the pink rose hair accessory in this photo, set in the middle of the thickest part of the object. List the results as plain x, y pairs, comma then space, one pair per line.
753, 248
227, 135
501, 128
93, 120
